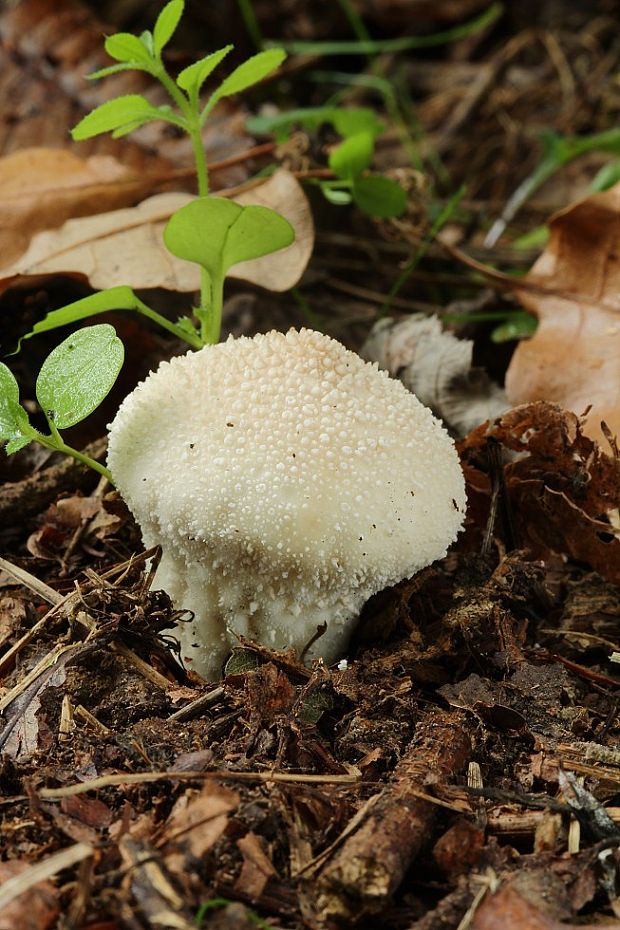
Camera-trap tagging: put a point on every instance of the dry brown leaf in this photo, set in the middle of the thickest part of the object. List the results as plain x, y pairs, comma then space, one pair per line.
257, 868
36, 909
573, 359
40, 188
563, 490
507, 908
125, 247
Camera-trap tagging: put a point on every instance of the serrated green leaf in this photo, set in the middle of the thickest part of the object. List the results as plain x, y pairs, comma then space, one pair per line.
336, 196
79, 373
379, 196
352, 156
127, 48
166, 24
217, 233
115, 114
113, 69
146, 38
193, 77
250, 72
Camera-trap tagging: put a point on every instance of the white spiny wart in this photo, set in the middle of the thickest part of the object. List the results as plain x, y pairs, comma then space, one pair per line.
286, 481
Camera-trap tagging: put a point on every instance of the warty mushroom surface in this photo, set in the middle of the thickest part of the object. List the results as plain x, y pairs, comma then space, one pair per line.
286, 481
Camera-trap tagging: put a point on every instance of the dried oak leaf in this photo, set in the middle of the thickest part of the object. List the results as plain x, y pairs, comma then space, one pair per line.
125, 247
40, 188
562, 487
573, 359
508, 908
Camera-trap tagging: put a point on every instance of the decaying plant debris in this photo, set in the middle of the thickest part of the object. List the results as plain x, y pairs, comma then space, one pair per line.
461, 770
470, 752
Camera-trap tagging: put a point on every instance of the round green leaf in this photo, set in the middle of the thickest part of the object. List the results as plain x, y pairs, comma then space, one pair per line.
166, 24
13, 417
197, 232
79, 373
218, 233
256, 232
352, 156
379, 196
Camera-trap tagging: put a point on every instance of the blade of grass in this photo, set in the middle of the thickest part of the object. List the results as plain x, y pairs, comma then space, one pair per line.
404, 44
445, 214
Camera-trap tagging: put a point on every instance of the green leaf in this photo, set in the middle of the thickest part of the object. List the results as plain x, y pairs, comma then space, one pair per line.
258, 231
114, 114
352, 156
250, 72
129, 49
194, 76
79, 373
379, 196
13, 417
346, 122
166, 24
115, 298
217, 233
14, 445
114, 69
336, 196
146, 38
520, 325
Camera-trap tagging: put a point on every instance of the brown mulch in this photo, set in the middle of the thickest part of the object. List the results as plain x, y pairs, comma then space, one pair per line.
460, 771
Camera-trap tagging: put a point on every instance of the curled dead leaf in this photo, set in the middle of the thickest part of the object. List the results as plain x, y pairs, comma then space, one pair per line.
564, 491
125, 247
573, 359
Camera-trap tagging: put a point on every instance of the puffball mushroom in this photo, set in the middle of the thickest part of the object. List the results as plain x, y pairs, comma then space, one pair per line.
286, 481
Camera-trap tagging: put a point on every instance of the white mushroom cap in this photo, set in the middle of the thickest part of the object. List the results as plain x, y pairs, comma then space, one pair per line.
286, 480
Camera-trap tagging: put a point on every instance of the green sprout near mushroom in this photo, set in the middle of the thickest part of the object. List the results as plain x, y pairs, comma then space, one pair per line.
213, 232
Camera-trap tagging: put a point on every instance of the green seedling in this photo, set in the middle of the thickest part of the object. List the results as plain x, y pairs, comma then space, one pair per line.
74, 379
350, 160
211, 231
187, 112
557, 151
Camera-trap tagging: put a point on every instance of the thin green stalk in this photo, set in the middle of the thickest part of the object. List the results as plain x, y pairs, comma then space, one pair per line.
251, 23
57, 444
194, 341
405, 44
215, 310
202, 172
423, 248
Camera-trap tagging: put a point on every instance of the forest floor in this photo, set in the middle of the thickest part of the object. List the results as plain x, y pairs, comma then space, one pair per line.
461, 770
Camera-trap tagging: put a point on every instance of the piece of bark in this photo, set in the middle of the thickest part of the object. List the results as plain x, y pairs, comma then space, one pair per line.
370, 865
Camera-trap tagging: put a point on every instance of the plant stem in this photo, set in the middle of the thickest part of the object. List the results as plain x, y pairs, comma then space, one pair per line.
202, 172
194, 341
57, 444
214, 321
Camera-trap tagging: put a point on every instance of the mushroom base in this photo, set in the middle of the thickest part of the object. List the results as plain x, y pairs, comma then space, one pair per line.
224, 609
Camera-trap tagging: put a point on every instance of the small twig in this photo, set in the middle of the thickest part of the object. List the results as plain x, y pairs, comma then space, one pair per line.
195, 708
